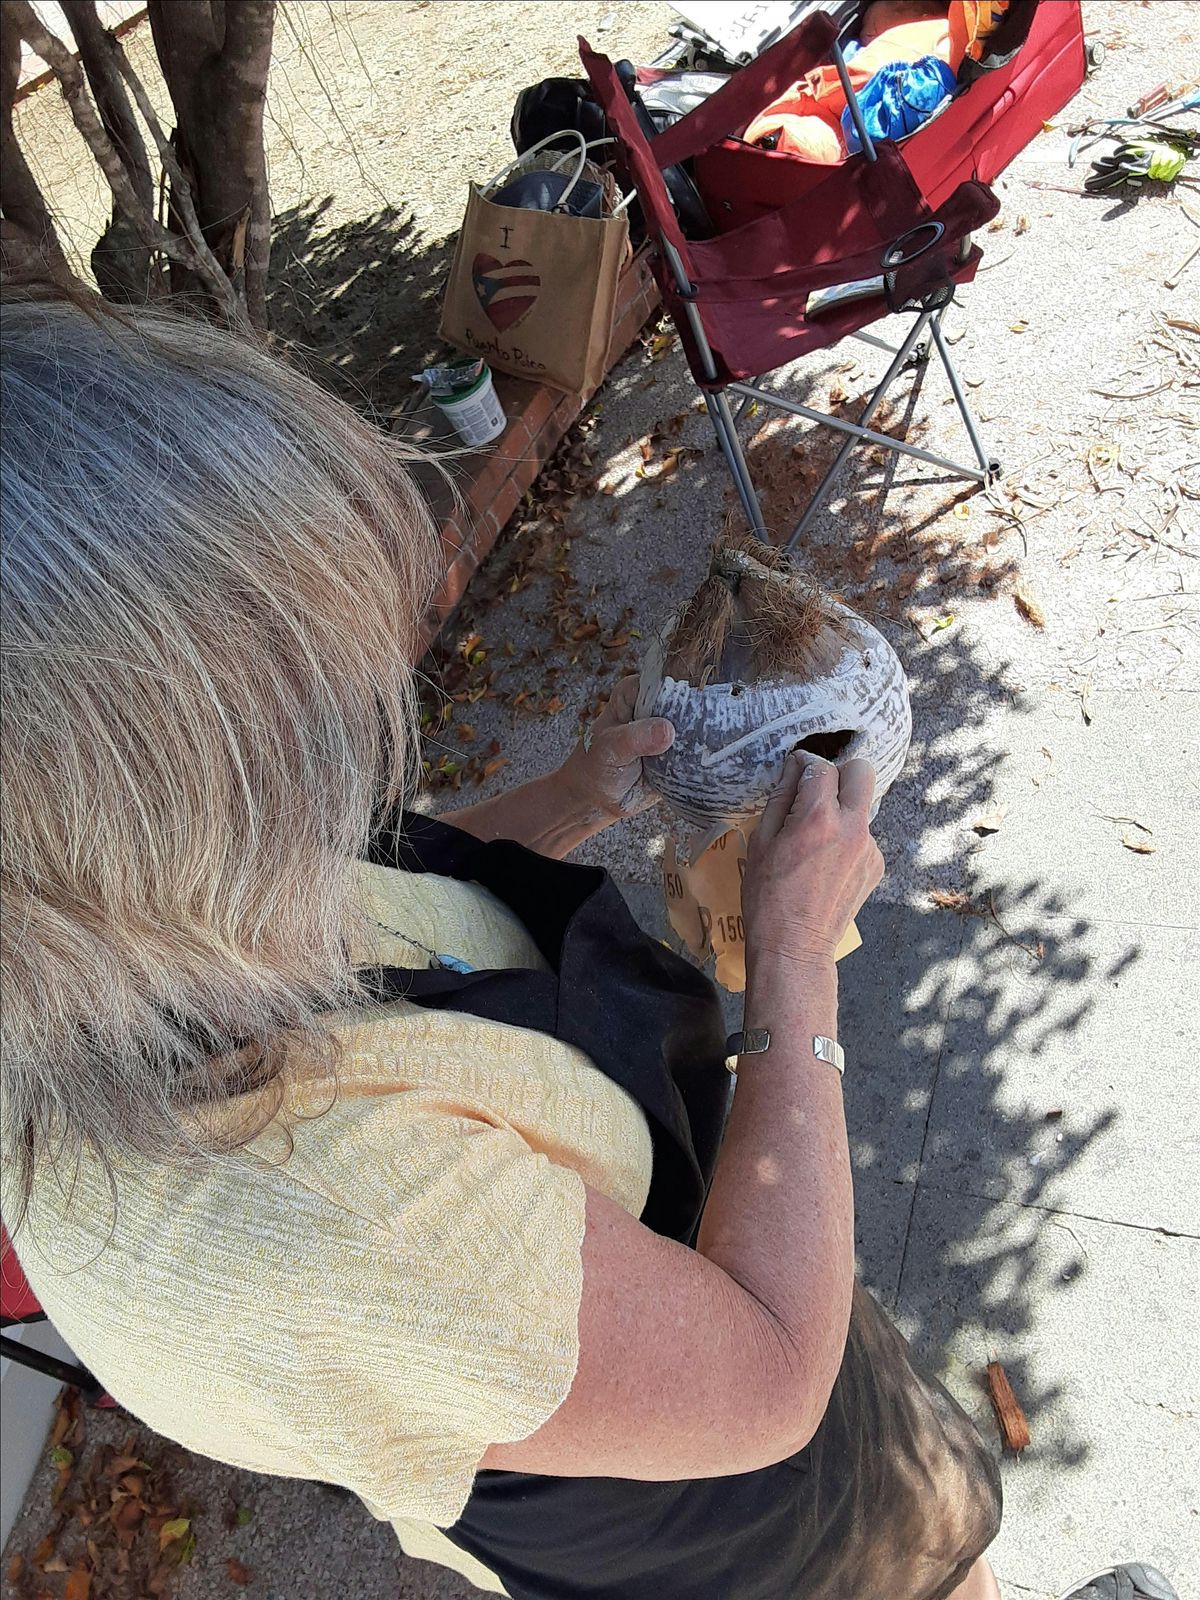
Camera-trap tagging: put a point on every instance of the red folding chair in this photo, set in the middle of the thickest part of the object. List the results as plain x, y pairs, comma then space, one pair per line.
19, 1304
902, 213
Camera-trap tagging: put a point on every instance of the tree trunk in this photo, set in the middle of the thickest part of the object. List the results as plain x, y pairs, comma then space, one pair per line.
29, 244
188, 245
215, 57
121, 261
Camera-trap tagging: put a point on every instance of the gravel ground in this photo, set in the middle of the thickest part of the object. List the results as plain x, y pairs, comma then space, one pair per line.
379, 114
1084, 719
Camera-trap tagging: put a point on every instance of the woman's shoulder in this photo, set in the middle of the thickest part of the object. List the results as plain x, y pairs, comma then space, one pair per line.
410, 917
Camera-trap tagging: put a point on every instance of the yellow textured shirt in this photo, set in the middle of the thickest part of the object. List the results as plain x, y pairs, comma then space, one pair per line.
387, 1280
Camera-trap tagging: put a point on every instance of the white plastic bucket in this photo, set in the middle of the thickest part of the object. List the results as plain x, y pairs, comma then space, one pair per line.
475, 414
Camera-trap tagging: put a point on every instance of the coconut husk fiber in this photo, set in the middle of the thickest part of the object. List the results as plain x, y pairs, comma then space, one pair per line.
754, 617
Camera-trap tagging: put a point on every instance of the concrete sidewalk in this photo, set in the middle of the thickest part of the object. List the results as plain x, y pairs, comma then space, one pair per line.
1021, 1087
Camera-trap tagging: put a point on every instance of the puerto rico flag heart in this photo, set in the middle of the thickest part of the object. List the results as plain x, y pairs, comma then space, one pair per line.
505, 289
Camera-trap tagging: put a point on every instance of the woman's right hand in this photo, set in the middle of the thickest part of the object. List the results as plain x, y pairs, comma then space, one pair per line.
811, 862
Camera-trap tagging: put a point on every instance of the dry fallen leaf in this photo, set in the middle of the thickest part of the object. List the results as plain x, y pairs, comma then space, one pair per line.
990, 821
238, 1571
1014, 1429
1028, 605
491, 768
43, 1550
1141, 847
54, 1564
952, 900
1018, 327
13, 1571
170, 1531
79, 1585
62, 1423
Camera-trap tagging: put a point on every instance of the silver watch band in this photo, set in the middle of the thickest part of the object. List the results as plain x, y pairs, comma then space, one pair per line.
830, 1050
754, 1041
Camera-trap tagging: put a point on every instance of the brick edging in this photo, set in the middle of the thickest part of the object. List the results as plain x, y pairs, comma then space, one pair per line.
492, 482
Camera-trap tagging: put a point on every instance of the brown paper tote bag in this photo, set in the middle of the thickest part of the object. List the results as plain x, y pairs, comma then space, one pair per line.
533, 292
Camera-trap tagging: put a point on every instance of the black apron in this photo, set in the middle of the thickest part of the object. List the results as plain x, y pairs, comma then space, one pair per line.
651, 1022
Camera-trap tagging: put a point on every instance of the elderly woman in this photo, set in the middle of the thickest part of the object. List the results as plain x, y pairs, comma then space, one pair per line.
390, 1153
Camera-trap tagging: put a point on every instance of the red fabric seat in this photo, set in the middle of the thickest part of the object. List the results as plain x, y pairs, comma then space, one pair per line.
903, 213
787, 227
18, 1303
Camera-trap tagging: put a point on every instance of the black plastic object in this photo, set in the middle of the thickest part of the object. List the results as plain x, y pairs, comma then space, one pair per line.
543, 191
565, 105
556, 105
685, 197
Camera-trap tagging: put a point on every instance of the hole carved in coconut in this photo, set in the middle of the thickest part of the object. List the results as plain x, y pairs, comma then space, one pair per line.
829, 746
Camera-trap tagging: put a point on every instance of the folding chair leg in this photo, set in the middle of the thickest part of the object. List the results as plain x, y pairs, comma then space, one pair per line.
51, 1366
869, 410
731, 446
986, 462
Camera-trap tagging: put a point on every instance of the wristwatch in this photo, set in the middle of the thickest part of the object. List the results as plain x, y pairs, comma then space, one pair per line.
754, 1041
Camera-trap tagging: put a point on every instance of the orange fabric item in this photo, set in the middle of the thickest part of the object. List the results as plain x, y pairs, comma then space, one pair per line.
972, 23
808, 115
810, 137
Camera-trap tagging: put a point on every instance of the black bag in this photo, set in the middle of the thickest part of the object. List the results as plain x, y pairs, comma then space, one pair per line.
565, 105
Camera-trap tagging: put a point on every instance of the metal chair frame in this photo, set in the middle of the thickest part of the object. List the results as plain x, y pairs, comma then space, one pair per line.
911, 352
69, 1372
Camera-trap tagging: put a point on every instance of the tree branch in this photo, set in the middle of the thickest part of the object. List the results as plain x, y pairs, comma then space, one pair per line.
190, 250
96, 51
29, 241
184, 38
207, 266
249, 30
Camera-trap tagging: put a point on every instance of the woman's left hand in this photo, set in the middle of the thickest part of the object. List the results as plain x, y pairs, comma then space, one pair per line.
604, 771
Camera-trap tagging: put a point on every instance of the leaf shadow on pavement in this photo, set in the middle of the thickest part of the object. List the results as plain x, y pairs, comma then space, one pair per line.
357, 303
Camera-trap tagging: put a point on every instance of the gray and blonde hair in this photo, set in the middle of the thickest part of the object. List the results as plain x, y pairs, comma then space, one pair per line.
213, 579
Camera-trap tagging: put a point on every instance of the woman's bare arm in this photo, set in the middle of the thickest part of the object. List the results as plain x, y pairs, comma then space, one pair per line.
546, 815
597, 784
716, 1361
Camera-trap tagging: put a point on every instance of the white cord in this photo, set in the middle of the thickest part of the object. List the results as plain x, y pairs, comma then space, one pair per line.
564, 155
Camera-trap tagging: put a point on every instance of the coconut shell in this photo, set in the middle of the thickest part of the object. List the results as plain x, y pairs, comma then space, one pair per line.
732, 737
